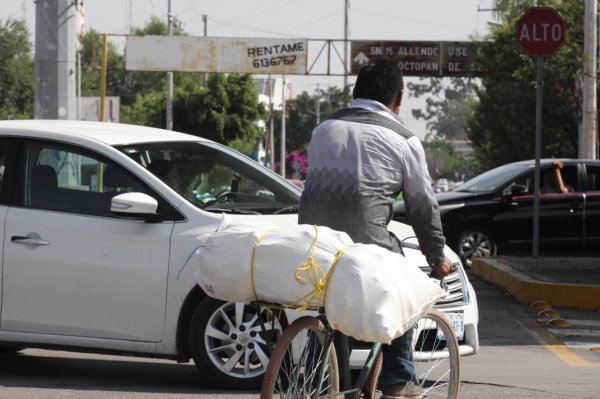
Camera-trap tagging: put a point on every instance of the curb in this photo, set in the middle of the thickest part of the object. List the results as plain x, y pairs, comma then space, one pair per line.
525, 289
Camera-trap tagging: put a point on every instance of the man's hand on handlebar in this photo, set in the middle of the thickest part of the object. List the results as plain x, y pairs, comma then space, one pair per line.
443, 269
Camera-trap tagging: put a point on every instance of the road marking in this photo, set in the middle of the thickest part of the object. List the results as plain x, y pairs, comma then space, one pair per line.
554, 346
582, 345
572, 332
585, 323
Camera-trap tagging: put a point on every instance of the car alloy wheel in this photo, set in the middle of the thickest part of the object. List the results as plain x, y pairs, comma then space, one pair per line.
232, 342
475, 243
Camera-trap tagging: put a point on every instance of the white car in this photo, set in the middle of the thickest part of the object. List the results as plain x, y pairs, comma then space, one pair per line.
96, 246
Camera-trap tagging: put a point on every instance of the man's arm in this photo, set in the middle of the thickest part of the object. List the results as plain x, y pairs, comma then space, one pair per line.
560, 185
422, 208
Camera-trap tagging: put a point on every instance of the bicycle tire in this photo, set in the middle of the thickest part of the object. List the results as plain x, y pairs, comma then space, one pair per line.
295, 364
436, 356
369, 389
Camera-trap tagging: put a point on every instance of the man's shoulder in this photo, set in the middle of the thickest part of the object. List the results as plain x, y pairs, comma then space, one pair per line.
369, 117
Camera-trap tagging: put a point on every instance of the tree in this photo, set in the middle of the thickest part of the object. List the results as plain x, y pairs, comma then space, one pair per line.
303, 112
91, 59
448, 107
16, 71
227, 109
443, 160
503, 125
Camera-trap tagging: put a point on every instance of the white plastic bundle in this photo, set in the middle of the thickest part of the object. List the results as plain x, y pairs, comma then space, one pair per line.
243, 263
376, 295
368, 292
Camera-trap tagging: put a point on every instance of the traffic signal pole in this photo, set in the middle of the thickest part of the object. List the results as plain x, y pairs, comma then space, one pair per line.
538, 154
588, 135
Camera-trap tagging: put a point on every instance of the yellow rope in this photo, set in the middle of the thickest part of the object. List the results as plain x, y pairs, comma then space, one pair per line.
315, 275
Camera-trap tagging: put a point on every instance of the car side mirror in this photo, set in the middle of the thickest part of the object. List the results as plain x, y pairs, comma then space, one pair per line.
137, 205
519, 189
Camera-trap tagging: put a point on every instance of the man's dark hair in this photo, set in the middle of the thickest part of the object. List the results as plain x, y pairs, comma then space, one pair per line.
379, 80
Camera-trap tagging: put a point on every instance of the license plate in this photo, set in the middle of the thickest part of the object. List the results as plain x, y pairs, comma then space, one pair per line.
457, 321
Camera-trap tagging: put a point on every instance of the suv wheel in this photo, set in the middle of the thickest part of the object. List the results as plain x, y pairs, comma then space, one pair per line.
475, 242
232, 342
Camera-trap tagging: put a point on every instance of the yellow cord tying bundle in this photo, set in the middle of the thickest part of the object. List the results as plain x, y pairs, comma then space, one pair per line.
309, 271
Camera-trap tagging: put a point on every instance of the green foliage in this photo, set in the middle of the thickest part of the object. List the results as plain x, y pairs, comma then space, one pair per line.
502, 129
227, 109
444, 161
16, 71
304, 111
448, 107
124, 84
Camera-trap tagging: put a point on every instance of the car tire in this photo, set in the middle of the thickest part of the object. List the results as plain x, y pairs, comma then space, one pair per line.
475, 242
224, 332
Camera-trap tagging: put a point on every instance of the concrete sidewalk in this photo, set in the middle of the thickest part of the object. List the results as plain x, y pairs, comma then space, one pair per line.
571, 282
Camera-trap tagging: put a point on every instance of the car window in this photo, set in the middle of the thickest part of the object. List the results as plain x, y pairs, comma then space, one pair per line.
64, 179
494, 179
547, 180
3, 159
593, 178
211, 177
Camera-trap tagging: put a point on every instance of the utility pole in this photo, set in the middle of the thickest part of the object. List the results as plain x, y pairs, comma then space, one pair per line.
271, 140
282, 144
588, 135
170, 76
56, 39
205, 21
346, 7
129, 15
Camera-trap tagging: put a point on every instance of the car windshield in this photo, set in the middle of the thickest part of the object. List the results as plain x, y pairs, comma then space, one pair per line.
494, 179
215, 178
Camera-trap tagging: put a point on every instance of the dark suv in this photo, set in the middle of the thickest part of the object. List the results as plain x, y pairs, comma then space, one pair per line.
493, 212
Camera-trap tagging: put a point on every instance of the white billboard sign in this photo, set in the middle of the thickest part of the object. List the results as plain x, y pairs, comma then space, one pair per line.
216, 54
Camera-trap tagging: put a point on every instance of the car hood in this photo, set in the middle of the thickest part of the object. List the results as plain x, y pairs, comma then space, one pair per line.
454, 196
401, 230
442, 198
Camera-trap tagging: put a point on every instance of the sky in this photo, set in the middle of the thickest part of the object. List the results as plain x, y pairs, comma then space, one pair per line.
394, 20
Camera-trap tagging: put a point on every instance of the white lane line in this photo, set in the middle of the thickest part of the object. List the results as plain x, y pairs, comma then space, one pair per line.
570, 332
586, 323
581, 345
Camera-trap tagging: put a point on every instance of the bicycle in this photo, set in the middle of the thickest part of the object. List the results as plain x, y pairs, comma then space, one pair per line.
304, 363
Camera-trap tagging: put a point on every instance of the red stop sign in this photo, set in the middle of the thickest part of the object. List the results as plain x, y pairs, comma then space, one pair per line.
541, 31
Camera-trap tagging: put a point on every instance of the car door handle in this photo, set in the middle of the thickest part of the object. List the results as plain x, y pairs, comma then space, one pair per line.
29, 240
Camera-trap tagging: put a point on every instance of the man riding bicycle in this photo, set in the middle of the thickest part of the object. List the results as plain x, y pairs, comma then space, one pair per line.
360, 159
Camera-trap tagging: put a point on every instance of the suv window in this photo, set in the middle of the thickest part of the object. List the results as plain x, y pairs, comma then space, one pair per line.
67, 180
593, 178
569, 177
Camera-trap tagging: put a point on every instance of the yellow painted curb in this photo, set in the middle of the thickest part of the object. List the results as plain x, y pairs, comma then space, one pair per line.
525, 289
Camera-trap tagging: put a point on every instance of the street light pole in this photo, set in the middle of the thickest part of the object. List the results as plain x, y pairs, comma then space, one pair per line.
170, 76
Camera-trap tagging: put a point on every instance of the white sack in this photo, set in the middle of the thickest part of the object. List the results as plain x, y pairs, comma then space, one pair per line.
376, 295
280, 257
224, 258
373, 294
225, 262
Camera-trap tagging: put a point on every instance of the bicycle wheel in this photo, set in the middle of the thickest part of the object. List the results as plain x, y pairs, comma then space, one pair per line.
369, 390
298, 361
436, 356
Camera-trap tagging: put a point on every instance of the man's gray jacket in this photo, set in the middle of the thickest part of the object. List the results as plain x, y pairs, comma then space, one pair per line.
360, 159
